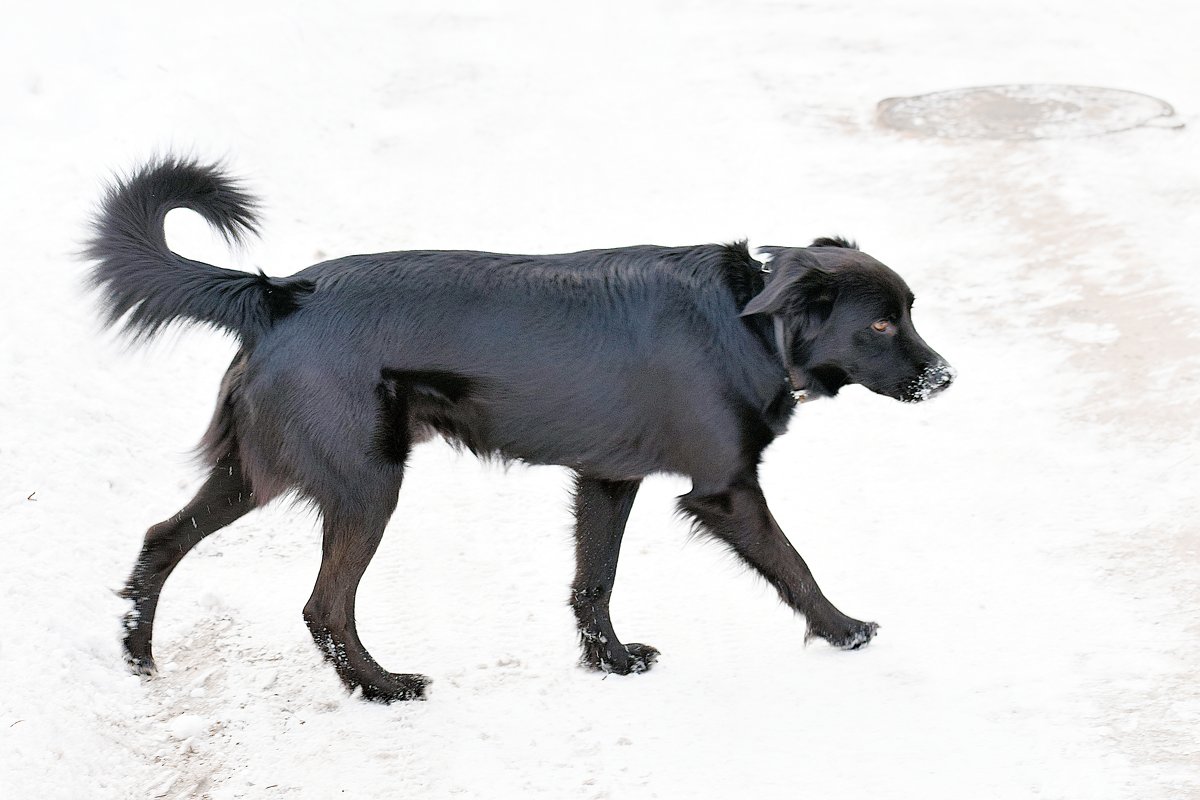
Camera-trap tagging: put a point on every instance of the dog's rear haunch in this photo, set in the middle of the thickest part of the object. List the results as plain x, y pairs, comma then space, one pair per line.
615, 363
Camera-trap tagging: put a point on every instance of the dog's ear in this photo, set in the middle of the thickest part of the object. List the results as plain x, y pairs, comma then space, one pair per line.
797, 281
835, 241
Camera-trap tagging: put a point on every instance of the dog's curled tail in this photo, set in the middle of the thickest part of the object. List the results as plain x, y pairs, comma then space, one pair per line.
145, 287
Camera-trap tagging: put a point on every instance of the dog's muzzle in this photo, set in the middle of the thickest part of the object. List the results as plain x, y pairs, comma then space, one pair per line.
934, 379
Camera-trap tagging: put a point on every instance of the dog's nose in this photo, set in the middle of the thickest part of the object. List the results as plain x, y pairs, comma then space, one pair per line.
933, 379
938, 377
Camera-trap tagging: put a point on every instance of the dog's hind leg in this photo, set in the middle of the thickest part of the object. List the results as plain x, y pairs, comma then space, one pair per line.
350, 540
601, 511
739, 516
223, 498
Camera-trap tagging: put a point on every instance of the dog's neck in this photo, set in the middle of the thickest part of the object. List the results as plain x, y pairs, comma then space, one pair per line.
783, 343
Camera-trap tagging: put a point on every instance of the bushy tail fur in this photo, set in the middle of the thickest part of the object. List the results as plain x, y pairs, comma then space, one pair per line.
146, 287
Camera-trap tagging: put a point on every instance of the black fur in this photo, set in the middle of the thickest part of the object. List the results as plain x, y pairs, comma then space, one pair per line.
130, 251
392, 441
419, 403
615, 363
834, 241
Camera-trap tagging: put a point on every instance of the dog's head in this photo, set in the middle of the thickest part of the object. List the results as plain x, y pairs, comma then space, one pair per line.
846, 318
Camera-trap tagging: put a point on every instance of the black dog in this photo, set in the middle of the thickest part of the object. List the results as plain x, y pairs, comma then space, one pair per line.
615, 363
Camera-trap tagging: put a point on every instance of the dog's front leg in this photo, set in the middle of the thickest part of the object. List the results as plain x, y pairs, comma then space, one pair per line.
601, 510
739, 516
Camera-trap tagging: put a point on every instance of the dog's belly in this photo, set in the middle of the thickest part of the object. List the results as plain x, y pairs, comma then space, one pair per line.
607, 435
633, 425
605, 419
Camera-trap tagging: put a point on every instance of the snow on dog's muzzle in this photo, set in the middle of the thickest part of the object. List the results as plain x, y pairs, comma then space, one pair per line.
934, 379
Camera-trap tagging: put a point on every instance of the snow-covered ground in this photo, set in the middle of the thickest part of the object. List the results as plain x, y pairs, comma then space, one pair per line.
1029, 541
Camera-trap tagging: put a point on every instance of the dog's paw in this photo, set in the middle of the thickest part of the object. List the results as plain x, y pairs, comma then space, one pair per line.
621, 659
397, 687
846, 634
138, 657
641, 657
141, 665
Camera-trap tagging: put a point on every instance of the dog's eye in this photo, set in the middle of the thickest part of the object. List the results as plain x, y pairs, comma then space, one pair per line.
883, 325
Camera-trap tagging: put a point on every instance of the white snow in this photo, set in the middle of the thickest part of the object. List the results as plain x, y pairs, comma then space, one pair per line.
187, 726
1028, 540
1091, 333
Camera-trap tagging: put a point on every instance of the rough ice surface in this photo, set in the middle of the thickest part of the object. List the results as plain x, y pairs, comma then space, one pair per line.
1029, 540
